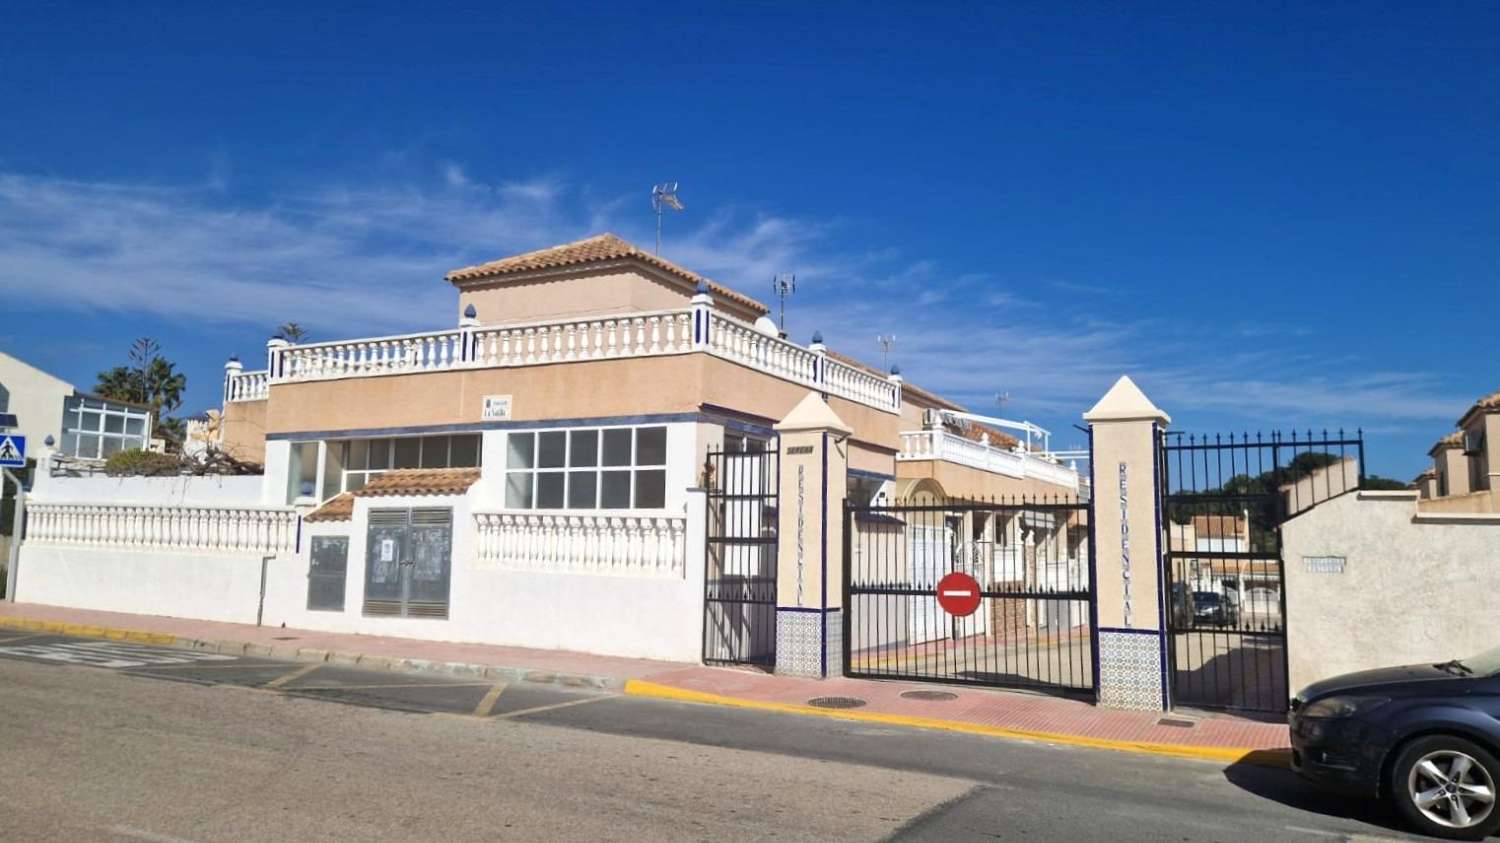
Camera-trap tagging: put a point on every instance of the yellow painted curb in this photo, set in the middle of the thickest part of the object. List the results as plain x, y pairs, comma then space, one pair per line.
86, 631
1228, 755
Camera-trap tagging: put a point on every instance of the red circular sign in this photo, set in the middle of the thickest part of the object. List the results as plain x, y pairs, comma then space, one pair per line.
958, 594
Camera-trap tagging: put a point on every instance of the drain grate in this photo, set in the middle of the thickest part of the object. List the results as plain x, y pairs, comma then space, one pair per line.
929, 696
284, 638
836, 702
1181, 724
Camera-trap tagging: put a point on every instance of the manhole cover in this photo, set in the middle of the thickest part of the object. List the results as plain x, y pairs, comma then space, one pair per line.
836, 702
930, 696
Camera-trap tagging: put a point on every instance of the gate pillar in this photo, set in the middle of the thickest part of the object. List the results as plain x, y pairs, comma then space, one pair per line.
813, 478
1129, 626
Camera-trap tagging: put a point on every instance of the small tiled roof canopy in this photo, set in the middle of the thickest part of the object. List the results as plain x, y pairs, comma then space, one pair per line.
1487, 404
402, 481
1452, 440
602, 247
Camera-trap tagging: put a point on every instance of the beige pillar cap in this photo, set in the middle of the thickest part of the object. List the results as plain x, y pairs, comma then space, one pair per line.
1125, 402
813, 413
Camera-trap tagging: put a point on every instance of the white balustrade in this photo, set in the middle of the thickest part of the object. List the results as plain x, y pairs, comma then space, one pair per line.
249, 530
942, 445
563, 543
644, 334
625, 335
747, 345
247, 386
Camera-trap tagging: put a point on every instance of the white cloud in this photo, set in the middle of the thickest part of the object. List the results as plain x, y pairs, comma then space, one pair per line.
357, 260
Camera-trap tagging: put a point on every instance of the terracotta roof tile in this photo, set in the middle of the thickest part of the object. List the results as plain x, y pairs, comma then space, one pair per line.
401, 481
1452, 440
340, 508
421, 481
601, 247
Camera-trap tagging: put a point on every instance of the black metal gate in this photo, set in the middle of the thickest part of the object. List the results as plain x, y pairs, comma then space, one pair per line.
739, 594
1034, 626
1224, 501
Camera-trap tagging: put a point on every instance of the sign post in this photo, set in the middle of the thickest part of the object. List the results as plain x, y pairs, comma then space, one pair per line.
13, 455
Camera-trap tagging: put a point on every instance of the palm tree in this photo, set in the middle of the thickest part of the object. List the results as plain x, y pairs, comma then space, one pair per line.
291, 332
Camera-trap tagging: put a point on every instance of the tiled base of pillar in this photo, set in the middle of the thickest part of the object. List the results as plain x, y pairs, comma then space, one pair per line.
1130, 669
809, 643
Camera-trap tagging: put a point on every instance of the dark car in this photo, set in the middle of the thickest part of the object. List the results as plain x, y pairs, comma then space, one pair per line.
1425, 736
1211, 607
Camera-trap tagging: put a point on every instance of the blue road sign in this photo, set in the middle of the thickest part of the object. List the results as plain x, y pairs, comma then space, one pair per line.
12, 451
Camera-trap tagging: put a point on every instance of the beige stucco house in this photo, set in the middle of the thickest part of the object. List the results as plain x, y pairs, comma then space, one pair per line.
562, 425
1465, 473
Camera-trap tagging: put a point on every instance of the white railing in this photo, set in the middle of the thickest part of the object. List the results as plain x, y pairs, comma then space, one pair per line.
646, 334
633, 335
247, 386
942, 445
741, 343
607, 545
250, 530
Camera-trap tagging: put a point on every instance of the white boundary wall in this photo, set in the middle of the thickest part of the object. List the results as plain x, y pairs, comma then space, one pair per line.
1413, 588
578, 601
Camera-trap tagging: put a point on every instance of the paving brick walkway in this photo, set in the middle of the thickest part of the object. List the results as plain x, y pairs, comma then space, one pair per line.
1020, 712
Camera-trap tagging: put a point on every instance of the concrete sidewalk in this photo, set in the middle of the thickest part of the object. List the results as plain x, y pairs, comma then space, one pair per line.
970, 710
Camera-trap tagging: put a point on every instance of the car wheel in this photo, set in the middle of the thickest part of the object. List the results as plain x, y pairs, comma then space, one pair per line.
1445, 787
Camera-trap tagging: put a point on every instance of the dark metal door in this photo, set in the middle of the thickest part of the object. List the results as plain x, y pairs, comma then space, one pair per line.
329, 561
1224, 501
1033, 628
739, 594
408, 561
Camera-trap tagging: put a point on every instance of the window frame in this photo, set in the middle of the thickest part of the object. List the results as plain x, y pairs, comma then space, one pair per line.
367, 473
600, 467
100, 412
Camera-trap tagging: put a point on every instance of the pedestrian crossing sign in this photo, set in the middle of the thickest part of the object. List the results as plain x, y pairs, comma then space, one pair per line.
12, 451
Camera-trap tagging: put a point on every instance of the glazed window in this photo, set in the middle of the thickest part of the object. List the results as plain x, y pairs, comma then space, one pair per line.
587, 468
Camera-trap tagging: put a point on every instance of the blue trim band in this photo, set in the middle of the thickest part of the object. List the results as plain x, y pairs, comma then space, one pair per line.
1152, 632
538, 424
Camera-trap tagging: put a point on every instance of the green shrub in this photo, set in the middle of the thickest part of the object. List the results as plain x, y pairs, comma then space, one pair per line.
138, 463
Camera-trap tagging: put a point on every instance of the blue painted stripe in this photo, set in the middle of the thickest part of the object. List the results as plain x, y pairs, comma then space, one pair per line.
537, 424
1152, 632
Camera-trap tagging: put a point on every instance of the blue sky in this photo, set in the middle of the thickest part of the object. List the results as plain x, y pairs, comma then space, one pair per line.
1271, 215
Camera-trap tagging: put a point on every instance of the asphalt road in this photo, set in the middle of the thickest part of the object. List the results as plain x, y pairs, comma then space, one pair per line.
101, 741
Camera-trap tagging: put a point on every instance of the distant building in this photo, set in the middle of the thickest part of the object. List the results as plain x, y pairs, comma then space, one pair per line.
83, 426
1465, 474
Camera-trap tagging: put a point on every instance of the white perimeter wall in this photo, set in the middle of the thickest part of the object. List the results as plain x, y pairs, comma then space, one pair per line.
629, 615
169, 491
1414, 588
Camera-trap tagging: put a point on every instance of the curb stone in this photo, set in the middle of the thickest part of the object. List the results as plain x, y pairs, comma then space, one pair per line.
388, 664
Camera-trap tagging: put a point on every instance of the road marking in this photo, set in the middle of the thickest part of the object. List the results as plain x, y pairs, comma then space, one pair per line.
236, 666
1260, 757
142, 834
21, 638
293, 676
395, 685
109, 654
487, 704
540, 708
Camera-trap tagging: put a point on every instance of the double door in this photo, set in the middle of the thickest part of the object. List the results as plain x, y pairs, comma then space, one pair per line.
408, 562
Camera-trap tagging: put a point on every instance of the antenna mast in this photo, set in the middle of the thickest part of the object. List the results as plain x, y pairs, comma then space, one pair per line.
784, 285
663, 196
887, 342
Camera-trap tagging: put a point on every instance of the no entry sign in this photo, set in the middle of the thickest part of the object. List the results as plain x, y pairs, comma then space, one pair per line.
958, 594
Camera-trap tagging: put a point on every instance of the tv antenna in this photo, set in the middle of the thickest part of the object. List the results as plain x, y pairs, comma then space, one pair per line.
663, 196
784, 285
887, 342
1001, 399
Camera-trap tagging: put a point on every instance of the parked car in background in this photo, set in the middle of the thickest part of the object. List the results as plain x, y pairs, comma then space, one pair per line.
1425, 736
1211, 607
